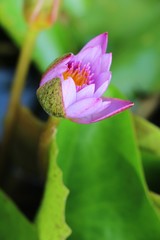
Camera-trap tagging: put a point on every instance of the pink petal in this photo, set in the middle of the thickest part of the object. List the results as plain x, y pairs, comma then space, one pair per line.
101, 40
102, 83
89, 55
83, 108
56, 69
115, 106
86, 92
68, 91
106, 61
96, 67
104, 105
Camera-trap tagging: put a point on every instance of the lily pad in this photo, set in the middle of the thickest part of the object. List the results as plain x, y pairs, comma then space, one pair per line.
108, 193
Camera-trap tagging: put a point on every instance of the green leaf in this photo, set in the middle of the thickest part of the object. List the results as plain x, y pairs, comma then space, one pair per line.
148, 137
50, 220
33, 136
14, 226
156, 200
102, 168
151, 165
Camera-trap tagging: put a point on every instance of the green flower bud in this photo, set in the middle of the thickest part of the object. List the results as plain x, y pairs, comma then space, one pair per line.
41, 13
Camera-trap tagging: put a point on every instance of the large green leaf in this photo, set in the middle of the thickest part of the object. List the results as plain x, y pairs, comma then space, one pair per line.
50, 220
13, 225
102, 168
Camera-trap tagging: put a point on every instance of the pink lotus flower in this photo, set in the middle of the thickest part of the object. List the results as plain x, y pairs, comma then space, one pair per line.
72, 87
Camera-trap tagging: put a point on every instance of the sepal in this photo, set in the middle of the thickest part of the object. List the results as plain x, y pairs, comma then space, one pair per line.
51, 99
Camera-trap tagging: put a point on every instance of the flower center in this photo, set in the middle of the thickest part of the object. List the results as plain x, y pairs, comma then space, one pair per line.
80, 74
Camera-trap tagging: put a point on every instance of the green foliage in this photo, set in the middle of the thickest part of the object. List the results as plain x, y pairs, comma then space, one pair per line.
50, 220
102, 168
14, 226
109, 198
148, 137
134, 34
36, 145
133, 28
11, 18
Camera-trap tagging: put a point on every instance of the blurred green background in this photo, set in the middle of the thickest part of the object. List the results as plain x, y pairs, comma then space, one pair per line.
102, 163
134, 32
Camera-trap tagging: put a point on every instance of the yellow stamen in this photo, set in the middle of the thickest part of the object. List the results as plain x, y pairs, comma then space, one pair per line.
80, 77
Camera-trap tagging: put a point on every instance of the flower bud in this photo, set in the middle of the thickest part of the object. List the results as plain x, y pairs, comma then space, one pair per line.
41, 13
